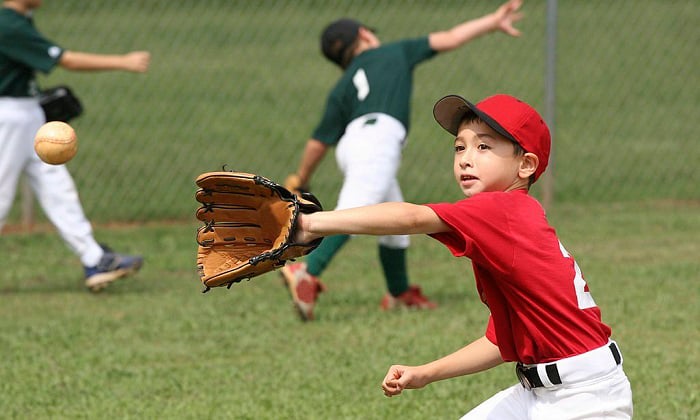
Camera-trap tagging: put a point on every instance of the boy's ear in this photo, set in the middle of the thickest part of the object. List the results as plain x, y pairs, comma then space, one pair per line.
528, 165
363, 33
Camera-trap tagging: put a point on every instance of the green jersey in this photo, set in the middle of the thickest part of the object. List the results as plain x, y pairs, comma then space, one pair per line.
378, 80
23, 50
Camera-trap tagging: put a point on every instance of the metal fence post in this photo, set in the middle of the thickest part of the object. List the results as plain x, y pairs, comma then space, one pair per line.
550, 94
27, 200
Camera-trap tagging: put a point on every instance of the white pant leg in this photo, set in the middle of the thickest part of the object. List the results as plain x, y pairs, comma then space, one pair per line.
15, 149
52, 184
608, 397
510, 404
369, 155
57, 195
395, 241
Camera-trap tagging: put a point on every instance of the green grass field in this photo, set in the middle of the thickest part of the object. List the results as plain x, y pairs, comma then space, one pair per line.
153, 346
231, 78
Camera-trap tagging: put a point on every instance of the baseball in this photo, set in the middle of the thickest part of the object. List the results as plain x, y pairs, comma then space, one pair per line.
56, 142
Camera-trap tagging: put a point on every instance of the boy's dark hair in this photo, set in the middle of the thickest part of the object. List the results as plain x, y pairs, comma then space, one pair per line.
518, 150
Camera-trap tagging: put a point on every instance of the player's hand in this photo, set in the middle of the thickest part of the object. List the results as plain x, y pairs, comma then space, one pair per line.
301, 233
507, 15
295, 184
138, 61
401, 377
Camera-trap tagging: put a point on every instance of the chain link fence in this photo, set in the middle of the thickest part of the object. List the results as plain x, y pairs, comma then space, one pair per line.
242, 83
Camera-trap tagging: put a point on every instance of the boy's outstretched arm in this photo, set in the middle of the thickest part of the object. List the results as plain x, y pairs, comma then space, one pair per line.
135, 61
394, 218
500, 20
480, 355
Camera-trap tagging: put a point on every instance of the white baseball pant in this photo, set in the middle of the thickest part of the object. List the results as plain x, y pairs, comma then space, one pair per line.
369, 155
593, 387
20, 118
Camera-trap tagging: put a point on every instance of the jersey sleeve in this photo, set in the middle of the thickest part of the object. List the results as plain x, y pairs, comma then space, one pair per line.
480, 230
417, 50
31, 48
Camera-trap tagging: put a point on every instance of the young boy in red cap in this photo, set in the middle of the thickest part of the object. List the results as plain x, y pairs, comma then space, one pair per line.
543, 316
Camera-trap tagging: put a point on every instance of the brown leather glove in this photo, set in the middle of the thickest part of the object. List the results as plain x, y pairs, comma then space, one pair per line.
249, 226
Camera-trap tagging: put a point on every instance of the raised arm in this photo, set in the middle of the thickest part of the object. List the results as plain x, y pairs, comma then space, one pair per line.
500, 20
394, 218
136, 61
475, 357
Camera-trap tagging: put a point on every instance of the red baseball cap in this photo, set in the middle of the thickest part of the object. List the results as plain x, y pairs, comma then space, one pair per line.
507, 115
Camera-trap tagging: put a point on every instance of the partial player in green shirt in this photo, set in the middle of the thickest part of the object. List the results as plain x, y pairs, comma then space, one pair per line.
366, 119
24, 51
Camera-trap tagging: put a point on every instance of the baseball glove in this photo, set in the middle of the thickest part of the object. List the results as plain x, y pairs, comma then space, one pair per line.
249, 225
60, 104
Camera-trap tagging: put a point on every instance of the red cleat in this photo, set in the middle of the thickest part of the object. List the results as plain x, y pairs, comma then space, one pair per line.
303, 288
411, 298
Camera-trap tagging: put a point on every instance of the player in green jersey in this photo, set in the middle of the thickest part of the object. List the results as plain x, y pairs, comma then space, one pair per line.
367, 119
24, 52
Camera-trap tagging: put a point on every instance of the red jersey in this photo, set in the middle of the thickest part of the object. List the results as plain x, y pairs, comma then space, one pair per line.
541, 308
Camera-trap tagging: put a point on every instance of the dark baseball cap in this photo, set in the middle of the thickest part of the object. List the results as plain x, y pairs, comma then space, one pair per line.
337, 37
507, 115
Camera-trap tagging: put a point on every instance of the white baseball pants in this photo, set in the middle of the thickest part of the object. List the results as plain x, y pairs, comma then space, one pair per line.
593, 387
369, 155
20, 118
